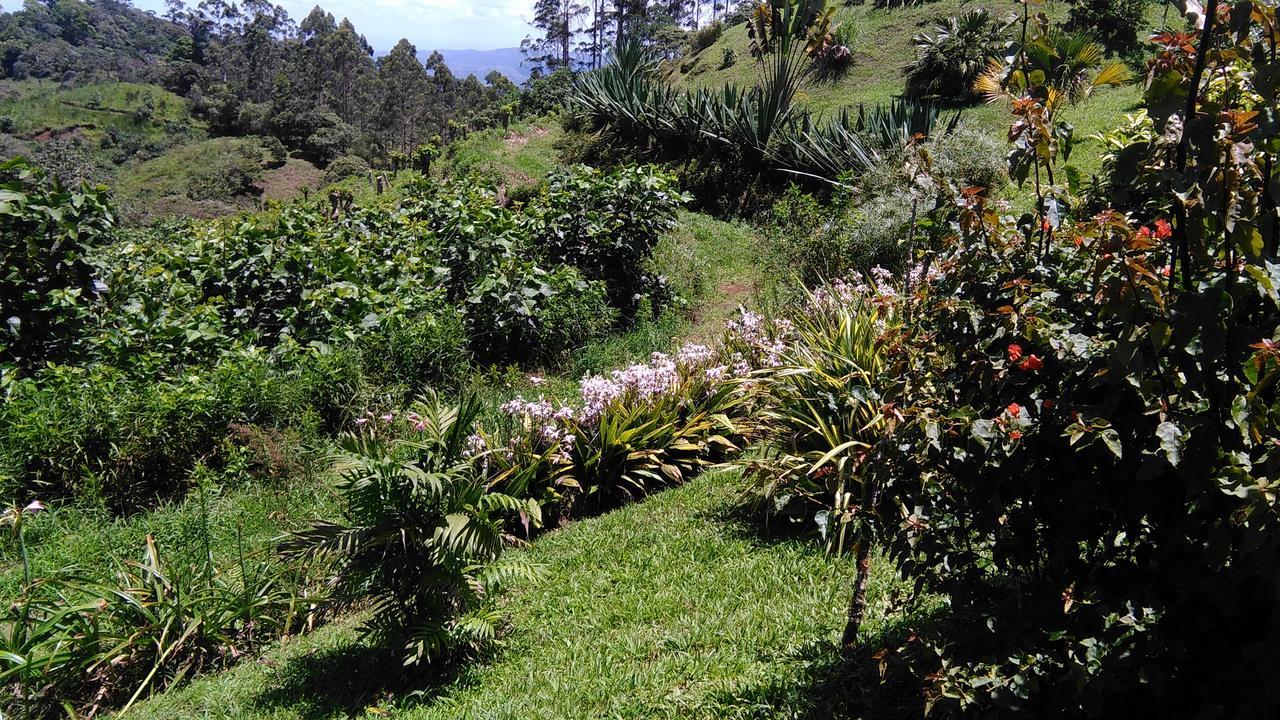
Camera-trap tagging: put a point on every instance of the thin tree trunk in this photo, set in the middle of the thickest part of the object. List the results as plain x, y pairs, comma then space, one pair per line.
858, 603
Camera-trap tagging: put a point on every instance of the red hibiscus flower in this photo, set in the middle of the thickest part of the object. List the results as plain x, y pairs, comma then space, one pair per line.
1014, 409
1015, 352
1031, 363
1163, 230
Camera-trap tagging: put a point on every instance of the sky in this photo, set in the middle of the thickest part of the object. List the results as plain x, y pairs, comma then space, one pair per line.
428, 24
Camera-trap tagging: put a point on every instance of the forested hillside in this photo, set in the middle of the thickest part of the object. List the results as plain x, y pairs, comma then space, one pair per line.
309, 89
781, 359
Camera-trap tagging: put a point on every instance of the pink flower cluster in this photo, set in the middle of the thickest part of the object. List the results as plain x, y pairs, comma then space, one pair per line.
542, 418
663, 376
879, 284
767, 340
475, 445
919, 275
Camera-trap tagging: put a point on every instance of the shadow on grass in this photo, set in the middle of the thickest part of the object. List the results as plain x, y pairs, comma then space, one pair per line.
738, 520
343, 681
871, 681
838, 684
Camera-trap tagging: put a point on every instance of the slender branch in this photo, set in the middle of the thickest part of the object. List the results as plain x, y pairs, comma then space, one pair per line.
1180, 242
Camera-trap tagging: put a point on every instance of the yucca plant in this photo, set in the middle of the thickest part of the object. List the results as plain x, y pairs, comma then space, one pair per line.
786, 36
825, 417
422, 536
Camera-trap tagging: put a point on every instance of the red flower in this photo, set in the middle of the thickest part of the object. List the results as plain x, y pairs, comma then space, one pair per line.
1014, 409
1144, 232
1015, 434
1015, 352
1031, 363
1163, 230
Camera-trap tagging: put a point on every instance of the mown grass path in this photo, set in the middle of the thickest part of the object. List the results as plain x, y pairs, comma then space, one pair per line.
669, 608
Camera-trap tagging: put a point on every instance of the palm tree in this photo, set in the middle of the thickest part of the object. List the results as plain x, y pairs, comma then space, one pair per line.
1058, 66
422, 535
951, 57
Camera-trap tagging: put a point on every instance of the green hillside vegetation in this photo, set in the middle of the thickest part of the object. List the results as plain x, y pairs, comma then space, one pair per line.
39, 106
521, 154
208, 178
369, 391
881, 41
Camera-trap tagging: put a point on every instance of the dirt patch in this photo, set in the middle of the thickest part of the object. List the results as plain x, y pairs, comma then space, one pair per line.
733, 290
139, 213
515, 139
288, 181
66, 133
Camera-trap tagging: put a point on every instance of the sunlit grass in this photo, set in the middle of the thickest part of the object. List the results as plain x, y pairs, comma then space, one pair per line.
670, 608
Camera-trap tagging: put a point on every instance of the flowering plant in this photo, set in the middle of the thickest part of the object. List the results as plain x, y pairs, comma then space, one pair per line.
634, 431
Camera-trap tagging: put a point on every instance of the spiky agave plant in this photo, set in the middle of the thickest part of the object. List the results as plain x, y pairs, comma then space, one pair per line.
825, 417
422, 538
784, 37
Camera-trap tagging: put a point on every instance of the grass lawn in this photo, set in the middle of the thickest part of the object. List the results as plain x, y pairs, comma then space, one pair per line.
716, 263
669, 608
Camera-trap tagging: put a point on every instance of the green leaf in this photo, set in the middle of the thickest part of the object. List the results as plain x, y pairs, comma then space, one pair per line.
1171, 441
1112, 440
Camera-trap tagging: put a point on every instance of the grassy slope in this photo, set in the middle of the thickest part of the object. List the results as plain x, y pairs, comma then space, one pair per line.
37, 106
714, 262
522, 154
882, 48
667, 608
166, 184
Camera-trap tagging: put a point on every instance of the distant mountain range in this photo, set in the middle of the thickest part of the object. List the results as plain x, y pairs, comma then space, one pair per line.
508, 61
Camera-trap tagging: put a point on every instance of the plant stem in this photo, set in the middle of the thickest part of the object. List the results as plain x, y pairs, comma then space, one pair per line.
858, 603
26, 577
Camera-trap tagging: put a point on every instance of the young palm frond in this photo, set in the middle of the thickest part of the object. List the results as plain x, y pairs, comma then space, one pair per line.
421, 535
951, 58
1068, 68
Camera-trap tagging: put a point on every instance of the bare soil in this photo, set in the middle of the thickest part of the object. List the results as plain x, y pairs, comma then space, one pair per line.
287, 181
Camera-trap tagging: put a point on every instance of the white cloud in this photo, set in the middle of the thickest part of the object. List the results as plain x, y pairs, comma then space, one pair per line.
428, 24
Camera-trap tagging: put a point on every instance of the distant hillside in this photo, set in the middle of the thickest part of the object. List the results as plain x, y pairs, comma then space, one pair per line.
65, 40
508, 61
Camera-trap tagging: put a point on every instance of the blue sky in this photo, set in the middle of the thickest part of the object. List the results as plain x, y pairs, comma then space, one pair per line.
428, 24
